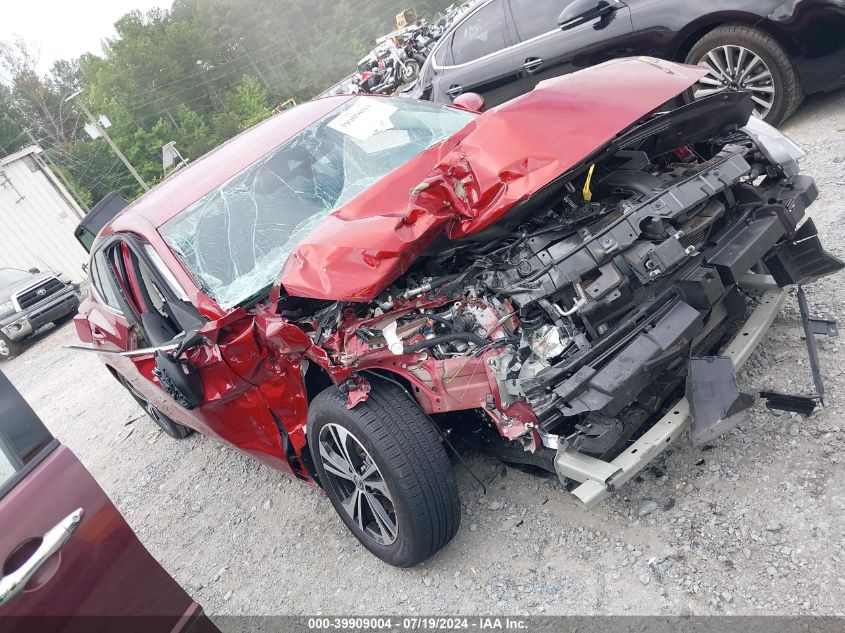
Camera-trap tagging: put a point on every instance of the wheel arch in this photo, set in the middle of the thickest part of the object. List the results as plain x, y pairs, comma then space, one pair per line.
397, 379
693, 32
115, 374
317, 378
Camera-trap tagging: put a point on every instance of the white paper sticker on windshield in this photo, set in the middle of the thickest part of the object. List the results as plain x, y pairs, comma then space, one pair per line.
364, 118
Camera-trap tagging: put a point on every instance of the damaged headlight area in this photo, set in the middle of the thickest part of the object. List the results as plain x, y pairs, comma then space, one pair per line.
571, 325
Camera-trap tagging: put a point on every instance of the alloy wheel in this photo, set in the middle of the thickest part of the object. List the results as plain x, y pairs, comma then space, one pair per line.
150, 410
733, 67
4, 349
359, 484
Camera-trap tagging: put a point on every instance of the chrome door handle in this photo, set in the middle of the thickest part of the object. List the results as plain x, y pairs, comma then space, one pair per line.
51, 542
531, 64
454, 91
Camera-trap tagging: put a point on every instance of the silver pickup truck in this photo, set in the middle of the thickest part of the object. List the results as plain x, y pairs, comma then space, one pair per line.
30, 299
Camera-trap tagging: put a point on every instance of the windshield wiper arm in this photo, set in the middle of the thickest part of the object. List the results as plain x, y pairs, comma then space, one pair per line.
254, 298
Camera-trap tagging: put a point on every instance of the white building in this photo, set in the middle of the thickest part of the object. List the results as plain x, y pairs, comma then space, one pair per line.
37, 217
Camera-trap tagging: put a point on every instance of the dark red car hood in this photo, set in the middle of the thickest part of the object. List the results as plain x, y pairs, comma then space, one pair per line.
471, 180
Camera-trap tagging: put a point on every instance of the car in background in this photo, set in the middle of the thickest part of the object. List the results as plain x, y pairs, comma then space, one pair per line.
777, 50
70, 562
30, 299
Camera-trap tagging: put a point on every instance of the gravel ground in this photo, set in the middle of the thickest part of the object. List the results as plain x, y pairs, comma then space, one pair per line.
751, 524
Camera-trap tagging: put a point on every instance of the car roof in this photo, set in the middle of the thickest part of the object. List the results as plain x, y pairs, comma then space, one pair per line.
171, 196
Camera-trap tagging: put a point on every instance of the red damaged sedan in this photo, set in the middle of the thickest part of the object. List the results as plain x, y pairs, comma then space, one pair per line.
569, 280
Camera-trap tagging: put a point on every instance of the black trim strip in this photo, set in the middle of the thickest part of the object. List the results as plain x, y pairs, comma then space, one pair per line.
8, 485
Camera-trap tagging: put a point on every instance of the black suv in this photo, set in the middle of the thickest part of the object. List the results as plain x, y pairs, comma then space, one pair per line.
30, 299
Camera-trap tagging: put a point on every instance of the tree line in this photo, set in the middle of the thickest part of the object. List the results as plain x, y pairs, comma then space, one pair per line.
196, 74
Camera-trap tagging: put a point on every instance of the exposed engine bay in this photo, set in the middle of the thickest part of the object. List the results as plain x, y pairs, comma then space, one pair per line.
571, 322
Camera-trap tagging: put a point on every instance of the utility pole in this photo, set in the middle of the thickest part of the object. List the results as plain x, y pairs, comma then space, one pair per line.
105, 135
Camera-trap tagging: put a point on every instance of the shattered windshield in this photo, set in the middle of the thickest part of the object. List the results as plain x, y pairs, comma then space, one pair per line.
236, 238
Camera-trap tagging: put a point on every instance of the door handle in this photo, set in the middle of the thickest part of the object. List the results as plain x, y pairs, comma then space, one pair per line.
532, 64
51, 542
455, 90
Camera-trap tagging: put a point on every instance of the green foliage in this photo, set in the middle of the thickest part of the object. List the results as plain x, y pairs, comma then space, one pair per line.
197, 74
12, 136
39, 100
243, 108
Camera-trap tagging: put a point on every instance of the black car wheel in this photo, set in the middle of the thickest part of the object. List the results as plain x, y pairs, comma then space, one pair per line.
744, 58
168, 425
9, 348
385, 471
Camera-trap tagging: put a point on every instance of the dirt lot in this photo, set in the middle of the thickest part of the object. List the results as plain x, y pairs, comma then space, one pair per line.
752, 525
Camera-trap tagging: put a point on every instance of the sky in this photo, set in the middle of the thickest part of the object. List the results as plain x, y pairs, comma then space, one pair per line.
66, 28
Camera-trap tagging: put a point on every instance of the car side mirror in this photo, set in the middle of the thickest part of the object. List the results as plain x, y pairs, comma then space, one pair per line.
470, 101
580, 12
180, 379
34, 271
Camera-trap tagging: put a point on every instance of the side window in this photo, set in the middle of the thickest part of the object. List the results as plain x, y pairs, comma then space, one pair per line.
440, 54
23, 437
536, 17
480, 34
103, 282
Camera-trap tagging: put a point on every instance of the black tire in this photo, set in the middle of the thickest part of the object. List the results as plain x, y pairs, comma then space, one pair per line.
788, 92
9, 348
409, 458
168, 425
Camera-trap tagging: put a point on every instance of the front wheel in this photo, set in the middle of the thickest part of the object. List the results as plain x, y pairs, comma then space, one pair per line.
165, 423
386, 473
9, 348
745, 58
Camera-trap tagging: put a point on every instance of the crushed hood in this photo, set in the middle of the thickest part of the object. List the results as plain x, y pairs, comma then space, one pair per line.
471, 180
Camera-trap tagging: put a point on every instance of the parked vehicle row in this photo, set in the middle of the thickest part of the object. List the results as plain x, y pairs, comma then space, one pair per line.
777, 51
387, 73
394, 62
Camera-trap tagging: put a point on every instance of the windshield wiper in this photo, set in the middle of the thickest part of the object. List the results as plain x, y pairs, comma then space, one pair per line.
255, 298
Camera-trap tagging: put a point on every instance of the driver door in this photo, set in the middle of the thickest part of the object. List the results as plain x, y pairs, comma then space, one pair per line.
155, 316
477, 58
